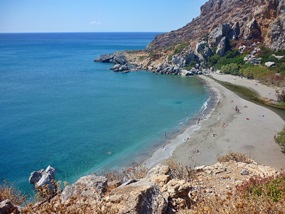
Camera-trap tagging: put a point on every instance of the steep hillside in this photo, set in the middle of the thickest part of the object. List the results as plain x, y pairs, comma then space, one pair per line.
243, 21
241, 33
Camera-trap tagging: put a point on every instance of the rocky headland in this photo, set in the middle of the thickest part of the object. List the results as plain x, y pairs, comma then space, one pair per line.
223, 25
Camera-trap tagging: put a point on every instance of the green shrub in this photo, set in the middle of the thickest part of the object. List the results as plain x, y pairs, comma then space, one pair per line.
267, 187
232, 68
232, 56
213, 60
179, 48
280, 139
257, 72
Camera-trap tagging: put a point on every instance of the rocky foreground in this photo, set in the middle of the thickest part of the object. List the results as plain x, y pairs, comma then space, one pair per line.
167, 188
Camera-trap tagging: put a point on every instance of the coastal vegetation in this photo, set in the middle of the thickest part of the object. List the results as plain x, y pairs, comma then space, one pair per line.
280, 139
233, 63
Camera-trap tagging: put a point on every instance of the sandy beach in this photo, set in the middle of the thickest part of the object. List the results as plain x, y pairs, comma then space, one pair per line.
233, 125
264, 91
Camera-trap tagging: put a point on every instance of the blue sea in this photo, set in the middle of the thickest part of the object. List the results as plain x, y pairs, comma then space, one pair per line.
59, 108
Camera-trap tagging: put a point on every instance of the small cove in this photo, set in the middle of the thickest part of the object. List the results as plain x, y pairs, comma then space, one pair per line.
59, 108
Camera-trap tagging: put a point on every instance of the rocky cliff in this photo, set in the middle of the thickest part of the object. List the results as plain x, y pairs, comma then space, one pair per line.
236, 21
223, 25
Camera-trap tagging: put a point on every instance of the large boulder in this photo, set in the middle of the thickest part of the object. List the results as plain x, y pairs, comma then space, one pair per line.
137, 197
105, 58
43, 178
270, 64
7, 207
91, 186
159, 175
35, 176
48, 178
120, 68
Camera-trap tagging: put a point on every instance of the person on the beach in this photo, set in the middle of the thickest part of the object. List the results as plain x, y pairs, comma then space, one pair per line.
237, 109
164, 135
198, 122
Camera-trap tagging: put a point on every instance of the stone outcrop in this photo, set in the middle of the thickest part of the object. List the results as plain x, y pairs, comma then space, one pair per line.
90, 186
7, 207
221, 26
243, 21
162, 190
43, 178
118, 58
138, 197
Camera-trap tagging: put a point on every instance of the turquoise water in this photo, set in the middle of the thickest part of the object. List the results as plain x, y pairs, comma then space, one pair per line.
59, 108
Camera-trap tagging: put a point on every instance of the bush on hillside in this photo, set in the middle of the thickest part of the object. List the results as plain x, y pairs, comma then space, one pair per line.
280, 139
232, 68
232, 56
257, 195
258, 72
179, 48
237, 157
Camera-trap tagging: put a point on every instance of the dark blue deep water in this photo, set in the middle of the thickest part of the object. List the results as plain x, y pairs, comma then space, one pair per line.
59, 108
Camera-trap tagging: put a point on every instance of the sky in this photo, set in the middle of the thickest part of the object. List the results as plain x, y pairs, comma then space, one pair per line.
96, 15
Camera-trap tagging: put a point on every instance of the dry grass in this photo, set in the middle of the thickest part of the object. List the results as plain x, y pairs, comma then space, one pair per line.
179, 171
8, 191
76, 205
136, 171
257, 195
237, 157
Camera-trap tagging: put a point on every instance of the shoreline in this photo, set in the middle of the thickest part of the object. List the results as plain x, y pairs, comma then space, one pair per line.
165, 152
251, 132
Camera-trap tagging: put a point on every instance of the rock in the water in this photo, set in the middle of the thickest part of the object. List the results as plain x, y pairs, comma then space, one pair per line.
35, 176
120, 68
48, 177
116, 58
105, 58
43, 178
90, 186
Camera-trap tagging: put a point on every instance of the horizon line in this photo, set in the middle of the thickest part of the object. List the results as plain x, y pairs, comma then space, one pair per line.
84, 32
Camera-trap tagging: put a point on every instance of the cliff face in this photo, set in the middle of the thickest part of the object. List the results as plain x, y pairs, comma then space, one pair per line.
223, 25
239, 21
